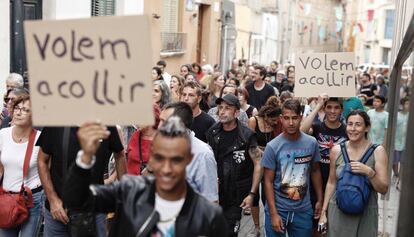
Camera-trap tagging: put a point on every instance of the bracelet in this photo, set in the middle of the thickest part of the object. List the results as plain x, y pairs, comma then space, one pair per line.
253, 194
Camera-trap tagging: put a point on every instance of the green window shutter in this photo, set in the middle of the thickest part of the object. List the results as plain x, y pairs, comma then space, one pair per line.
103, 7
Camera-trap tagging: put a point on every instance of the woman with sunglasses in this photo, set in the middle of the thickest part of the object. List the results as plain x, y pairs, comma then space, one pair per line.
13, 144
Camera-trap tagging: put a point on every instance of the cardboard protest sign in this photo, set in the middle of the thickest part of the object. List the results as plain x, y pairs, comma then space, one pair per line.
331, 73
90, 69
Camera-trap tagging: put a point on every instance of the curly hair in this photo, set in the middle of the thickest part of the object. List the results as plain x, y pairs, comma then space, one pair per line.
271, 109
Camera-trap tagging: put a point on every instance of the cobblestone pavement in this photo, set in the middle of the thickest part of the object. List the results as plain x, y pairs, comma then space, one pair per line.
391, 213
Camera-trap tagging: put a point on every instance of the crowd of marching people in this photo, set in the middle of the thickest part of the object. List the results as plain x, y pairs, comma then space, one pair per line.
221, 144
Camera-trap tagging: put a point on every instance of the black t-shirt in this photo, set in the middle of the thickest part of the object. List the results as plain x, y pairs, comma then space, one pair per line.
51, 142
231, 164
259, 98
369, 91
327, 138
226, 140
201, 124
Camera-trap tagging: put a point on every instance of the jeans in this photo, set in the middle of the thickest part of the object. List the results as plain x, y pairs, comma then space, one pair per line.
54, 228
297, 224
30, 227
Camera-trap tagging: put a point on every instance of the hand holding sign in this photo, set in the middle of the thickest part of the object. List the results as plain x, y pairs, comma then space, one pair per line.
332, 73
89, 69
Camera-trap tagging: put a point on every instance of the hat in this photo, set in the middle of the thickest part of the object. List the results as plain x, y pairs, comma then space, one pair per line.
229, 99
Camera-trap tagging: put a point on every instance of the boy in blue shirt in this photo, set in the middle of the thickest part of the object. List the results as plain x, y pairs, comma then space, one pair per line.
290, 161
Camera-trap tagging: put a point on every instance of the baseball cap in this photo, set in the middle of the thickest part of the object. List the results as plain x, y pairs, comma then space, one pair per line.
229, 99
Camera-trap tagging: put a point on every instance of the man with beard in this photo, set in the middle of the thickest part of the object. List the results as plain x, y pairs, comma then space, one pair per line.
238, 161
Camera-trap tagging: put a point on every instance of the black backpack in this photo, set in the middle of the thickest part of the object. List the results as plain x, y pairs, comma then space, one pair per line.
353, 190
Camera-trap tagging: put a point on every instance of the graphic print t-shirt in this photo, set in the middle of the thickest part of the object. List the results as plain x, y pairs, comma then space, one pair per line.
327, 138
291, 161
168, 211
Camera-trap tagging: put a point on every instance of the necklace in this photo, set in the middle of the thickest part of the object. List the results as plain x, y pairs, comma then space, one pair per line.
18, 139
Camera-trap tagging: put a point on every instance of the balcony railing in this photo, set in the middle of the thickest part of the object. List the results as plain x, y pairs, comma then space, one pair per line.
173, 42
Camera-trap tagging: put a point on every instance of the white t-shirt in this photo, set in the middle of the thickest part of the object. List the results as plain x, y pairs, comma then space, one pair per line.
167, 78
12, 157
168, 211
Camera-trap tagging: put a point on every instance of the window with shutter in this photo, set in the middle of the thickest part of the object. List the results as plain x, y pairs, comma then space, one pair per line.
172, 41
170, 16
103, 7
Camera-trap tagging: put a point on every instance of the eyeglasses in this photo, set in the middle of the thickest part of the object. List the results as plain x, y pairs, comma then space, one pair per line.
7, 100
22, 110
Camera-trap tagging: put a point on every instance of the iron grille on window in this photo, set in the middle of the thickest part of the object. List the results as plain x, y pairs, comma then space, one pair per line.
103, 7
173, 42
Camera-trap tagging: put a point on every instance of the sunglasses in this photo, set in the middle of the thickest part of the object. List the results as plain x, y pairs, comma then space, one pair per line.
7, 99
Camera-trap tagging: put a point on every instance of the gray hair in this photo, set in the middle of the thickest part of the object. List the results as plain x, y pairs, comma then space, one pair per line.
208, 68
19, 91
165, 92
16, 78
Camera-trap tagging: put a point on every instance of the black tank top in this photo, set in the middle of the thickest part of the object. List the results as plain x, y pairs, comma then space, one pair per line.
262, 137
249, 111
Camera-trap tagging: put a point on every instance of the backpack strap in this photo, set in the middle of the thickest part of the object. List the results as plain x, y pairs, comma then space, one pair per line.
344, 152
368, 153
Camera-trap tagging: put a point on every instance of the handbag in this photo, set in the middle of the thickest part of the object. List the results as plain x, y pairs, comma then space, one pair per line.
14, 207
81, 223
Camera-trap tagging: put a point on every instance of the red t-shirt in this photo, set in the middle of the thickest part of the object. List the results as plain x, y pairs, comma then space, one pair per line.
199, 76
134, 161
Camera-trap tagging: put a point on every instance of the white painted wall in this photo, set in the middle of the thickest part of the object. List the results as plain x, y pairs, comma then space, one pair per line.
270, 32
129, 7
66, 9
4, 44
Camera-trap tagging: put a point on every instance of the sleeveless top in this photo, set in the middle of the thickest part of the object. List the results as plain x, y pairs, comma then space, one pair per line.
343, 225
262, 137
249, 111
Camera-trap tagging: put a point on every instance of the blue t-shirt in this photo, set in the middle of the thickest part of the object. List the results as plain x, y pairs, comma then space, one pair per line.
291, 161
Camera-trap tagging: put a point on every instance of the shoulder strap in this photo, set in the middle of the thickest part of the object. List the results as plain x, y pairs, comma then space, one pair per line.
140, 148
344, 152
368, 153
257, 122
28, 155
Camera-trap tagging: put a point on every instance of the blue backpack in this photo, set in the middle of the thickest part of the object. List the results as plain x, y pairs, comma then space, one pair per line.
353, 190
